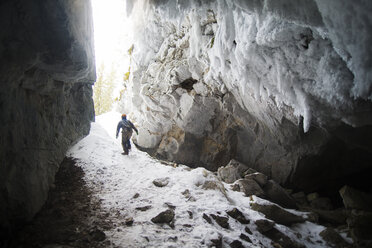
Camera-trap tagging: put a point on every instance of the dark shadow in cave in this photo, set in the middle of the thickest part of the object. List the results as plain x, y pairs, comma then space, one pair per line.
71, 216
345, 160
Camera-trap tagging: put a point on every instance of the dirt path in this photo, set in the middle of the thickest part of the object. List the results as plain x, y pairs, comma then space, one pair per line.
71, 217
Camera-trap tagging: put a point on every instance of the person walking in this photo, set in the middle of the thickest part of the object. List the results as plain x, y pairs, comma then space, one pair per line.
126, 127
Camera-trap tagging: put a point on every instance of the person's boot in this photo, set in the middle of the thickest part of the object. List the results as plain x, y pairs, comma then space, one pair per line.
125, 151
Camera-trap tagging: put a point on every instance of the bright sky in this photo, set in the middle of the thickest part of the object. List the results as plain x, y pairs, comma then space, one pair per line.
111, 34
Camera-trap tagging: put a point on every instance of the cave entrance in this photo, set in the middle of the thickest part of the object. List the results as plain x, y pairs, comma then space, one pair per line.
113, 45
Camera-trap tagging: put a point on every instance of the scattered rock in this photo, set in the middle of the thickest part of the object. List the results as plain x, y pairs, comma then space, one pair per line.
355, 199
221, 220
280, 240
236, 244
300, 198
276, 245
333, 238
229, 173
188, 196
97, 235
192, 199
207, 218
216, 243
278, 214
260, 178
312, 196
173, 239
336, 217
186, 193
170, 205
250, 187
235, 187
129, 221
236, 214
322, 203
191, 215
264, 225
249, 171
359, 224
312, 217
245, 238
136, 195
247, 230
161, 182
144, 208
165, 217
210, 185
278, 195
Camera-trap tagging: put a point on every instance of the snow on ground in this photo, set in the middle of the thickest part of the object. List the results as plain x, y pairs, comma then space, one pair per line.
117, 178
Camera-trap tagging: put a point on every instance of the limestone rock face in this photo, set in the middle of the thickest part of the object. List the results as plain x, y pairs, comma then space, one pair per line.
283, 87
47, 70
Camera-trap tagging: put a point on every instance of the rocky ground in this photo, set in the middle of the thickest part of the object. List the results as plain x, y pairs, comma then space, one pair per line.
72, 216
102, 198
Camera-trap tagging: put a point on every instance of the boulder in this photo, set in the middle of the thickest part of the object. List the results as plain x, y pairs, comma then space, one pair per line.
207, 218
144, 208
221, 220
161, 182
245, 238
231, 172
236, 214
264, 225
250, 187
260, 178
359, 224
278, 214
236, 244
355, 199
312, 196
300, 198
281, 240
165, 217
210, 185
336, 217
217, 243
247, 230
278, 195
323, 203
333, 238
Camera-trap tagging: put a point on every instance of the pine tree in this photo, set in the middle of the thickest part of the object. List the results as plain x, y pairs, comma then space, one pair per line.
103, 90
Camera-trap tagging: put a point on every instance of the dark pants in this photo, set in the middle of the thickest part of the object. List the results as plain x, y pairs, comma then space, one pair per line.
125, 140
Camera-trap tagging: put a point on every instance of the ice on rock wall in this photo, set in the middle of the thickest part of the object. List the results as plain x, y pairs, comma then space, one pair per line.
310, 57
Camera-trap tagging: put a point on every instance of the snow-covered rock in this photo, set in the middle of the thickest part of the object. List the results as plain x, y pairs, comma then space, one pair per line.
271, 83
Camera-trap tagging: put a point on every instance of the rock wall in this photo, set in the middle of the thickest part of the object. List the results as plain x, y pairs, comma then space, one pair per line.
47, 70
280, 86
